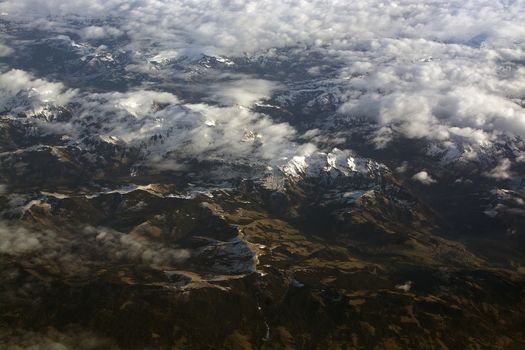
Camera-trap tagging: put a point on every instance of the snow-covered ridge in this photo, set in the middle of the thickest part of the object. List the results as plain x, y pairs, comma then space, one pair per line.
335, 163
464, 150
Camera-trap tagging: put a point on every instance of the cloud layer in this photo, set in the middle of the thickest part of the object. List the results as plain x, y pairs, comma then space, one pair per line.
436, 90
451, 71
231, 27
159, 123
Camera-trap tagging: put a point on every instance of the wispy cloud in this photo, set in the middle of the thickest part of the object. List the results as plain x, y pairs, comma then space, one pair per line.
75, 253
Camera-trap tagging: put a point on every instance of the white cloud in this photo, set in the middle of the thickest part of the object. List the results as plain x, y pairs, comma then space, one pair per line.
161, 125
228, 27
436, 69
242, 91
424, 178
203, 131
501, 171
228, 132
98, 32
140, 103
20, 92
5, 50
462, 91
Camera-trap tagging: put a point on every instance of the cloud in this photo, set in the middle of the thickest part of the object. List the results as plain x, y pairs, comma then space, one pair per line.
75, 253
17, 240
208, 132
424, 178
70, 339
167, 129
139, 103
21, 92
234, 27
5, 50
159, 123
461, 91
402, 168
501, 171
449, 71
98, 32
118, 246
243, 91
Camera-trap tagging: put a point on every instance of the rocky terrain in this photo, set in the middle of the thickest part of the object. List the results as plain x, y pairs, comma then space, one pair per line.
325, 251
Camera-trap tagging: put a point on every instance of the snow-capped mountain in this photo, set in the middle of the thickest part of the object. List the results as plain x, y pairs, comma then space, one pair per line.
261, 175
